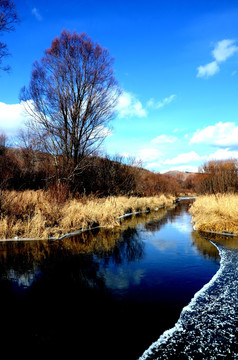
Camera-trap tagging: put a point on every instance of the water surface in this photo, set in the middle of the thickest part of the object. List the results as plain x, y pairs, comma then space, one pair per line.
108, 294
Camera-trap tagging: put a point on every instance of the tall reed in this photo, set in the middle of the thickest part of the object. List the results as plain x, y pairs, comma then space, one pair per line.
35, 214
217, 213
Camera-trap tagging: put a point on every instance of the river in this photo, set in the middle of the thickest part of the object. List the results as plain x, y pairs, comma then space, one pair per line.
150, 289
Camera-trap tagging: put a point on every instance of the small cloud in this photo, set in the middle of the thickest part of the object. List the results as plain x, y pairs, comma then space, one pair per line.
176, 130
37, 14
149, 154
129, 106
183, 158
220, 134
100, 132
123, 279
224, 49
125, 154
153, 166
234, 73
150, 103
159, 104
208, 70
164, 139
162, 244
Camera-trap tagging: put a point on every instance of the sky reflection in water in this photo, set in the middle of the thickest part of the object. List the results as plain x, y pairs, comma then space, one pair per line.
117, 289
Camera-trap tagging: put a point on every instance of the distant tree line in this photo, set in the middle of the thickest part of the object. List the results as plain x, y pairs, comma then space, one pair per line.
25, 168
216, 176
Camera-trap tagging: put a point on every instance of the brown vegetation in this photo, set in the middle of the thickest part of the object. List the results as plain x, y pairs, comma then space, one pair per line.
27, 169
35, 214
33, 204
218, 213
217, 176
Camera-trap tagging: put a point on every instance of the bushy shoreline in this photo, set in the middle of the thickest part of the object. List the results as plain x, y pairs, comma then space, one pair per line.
35, 214
216, 213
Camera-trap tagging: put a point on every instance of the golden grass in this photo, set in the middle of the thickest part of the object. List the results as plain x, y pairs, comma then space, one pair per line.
104, 239
34, 214
218, 213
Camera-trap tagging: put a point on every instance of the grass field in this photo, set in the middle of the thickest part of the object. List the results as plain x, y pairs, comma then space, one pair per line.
35, 214
218, 213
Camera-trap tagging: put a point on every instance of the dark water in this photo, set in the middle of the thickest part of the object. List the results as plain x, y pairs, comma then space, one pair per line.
112, 294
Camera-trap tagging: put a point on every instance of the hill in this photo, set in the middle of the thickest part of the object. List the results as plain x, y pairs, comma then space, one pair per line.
181, 175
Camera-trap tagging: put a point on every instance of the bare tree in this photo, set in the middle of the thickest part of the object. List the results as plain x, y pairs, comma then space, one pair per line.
3, 140
8, 19
220, 176
71, 97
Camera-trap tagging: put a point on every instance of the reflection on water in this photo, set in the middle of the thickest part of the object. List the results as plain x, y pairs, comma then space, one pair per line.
106, 293
227, 241
120, 243
205, 247
208, 325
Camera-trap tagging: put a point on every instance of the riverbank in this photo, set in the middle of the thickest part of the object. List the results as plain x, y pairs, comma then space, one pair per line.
35, 214
216, 213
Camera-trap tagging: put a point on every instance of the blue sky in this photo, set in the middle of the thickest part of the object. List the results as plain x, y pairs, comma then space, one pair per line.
176, 62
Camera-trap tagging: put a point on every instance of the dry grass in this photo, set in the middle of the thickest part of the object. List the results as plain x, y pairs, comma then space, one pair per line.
35, 214
217, 213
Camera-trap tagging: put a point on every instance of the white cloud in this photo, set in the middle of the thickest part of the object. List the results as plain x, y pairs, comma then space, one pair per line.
223, 154
101, 132
125, 154
37, 14
208, 70
123, 279
159, 104
11, 118
149, 154
153, 166
129, 106
164, 139
176, 130
224, 49
220, 134
183, 158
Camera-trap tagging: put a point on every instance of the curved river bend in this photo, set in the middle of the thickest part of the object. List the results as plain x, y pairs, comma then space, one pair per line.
151, 289
208, 327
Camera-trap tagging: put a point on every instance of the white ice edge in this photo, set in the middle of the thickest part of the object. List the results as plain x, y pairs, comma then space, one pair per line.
178, 326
